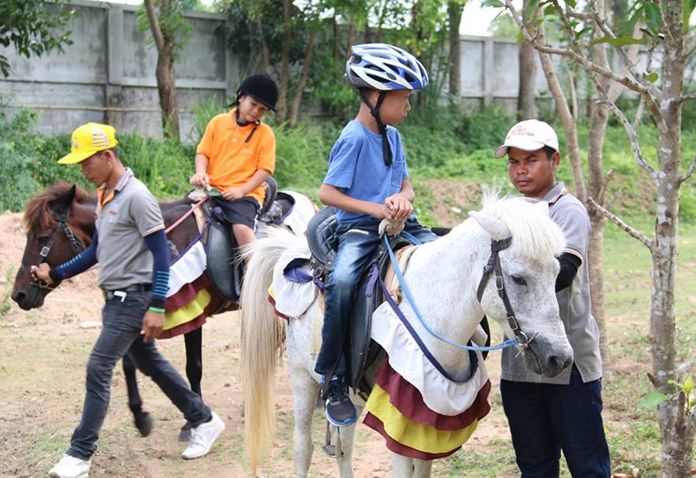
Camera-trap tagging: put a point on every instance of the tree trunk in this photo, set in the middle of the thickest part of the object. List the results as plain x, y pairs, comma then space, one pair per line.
284, 83
596, 184
569, 123
164, 72
166, 86
264, 47
526, 108
454, 13
297, 98
676, 424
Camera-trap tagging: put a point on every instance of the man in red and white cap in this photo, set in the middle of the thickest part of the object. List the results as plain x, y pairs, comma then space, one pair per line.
563, 413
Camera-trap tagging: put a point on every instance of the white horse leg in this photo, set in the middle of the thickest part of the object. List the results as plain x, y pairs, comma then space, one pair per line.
344, 439
402, 466
421, 468
305, 391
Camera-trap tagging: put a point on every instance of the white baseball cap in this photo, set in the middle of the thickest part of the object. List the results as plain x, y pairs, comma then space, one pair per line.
529, 135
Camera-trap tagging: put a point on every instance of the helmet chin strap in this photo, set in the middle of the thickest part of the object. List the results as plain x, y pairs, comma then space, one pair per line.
374, 111
241, 122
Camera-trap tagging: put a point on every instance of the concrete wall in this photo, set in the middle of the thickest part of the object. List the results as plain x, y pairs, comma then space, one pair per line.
490, 72
108, 73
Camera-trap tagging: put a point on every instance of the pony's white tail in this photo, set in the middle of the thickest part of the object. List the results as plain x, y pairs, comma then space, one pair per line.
262, 337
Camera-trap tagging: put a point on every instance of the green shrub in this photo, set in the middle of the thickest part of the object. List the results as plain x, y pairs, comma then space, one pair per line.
439, 143
302, 155
164, 165
485, 129
17, 183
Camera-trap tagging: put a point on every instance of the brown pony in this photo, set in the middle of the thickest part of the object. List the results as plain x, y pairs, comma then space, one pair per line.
59, 224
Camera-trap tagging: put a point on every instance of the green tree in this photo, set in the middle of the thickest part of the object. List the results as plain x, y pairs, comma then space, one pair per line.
33, 27
169, 30
588, 35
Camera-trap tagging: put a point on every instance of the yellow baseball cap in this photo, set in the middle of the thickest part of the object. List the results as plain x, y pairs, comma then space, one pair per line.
89, 139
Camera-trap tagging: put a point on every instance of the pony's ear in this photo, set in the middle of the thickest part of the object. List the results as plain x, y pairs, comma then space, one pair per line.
495, 228
61, 204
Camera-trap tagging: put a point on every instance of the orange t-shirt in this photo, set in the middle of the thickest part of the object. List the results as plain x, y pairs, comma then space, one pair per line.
231, 160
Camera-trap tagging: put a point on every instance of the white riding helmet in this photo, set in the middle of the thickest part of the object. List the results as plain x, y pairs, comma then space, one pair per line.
384, 67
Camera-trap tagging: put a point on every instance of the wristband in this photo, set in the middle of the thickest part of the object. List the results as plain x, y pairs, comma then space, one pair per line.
158, 310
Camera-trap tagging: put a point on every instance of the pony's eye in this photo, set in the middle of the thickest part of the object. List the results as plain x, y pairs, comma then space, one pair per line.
519, 280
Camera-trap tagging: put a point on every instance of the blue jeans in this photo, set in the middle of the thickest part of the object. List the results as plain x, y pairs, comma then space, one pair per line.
122, 323
546, 419
357, 244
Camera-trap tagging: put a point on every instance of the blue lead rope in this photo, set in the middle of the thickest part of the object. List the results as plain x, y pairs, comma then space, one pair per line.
409, 298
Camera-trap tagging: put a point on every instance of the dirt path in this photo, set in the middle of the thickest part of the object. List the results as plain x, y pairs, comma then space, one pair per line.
43, 354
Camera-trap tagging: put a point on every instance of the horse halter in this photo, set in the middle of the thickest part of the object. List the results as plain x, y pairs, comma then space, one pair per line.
493, 265
77, 244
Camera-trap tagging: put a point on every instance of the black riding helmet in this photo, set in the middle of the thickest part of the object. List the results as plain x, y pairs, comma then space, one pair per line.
261, 87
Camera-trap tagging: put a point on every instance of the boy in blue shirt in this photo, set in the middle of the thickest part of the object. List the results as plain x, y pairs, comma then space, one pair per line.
367, 181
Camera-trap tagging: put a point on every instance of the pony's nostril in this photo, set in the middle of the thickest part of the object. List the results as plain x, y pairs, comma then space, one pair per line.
19, 296
559, 363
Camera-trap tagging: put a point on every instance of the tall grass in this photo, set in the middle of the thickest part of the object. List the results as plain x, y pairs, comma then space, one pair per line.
439, 143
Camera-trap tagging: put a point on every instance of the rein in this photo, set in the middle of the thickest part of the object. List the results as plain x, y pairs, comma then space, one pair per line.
482, 286
186, 214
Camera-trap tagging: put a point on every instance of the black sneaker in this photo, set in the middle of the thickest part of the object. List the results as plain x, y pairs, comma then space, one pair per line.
339, 409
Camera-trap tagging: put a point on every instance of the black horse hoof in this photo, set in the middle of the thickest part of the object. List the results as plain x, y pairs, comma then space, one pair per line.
185, 432
330, 450
143, 422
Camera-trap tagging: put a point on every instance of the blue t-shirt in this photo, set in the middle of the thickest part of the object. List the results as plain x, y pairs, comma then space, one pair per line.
357, 169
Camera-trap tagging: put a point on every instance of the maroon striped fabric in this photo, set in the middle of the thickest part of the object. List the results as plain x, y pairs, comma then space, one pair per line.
187, 293
409, 401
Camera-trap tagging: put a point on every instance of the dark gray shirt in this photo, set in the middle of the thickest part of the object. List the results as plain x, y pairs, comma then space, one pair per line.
122, 223
573, 301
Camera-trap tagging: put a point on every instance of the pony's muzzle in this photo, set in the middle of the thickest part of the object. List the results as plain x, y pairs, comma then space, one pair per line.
546, 357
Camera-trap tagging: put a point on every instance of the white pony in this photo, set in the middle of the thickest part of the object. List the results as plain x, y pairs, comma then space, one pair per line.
443, 277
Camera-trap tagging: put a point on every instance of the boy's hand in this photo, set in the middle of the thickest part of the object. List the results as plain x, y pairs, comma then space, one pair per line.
233, 193
397, 207
201, 180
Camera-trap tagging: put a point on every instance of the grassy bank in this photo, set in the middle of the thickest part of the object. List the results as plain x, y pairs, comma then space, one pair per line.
446, 152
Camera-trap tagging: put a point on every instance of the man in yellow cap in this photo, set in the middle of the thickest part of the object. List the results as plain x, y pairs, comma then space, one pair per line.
130, 246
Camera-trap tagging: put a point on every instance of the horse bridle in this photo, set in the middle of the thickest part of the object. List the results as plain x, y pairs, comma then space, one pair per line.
77, 245
493, 266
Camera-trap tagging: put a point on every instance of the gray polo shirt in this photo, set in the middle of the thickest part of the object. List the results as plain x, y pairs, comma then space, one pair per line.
122, 223
573, 302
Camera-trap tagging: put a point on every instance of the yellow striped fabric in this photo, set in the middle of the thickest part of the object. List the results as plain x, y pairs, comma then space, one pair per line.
413, 434
189, 311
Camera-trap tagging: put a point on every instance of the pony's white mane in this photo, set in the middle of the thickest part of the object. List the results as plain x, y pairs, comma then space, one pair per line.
534, 233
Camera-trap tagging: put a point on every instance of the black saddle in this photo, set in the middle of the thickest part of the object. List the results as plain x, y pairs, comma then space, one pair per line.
361, 350
225, 268
322, 239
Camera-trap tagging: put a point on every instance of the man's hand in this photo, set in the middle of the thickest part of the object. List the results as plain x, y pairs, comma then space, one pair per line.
41, 272
397, 207
152, 325
200, 180
233, 193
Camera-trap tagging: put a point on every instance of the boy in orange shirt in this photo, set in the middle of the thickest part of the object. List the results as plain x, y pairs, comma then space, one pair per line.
237, 154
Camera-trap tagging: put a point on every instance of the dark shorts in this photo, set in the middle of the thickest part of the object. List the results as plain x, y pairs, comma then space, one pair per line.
239, 211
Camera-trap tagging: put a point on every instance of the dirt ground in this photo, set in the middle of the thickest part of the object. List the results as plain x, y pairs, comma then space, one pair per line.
43, 355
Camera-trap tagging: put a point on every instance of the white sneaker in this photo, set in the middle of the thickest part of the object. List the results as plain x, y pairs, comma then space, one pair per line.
70, 467
203, 437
